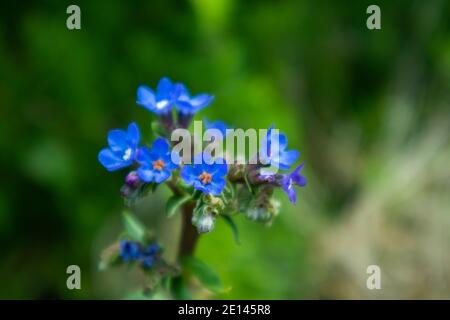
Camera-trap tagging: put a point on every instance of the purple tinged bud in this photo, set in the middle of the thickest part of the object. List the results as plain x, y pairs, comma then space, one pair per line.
132, 180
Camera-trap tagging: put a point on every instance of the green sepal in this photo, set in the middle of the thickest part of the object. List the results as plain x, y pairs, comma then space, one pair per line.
133, 227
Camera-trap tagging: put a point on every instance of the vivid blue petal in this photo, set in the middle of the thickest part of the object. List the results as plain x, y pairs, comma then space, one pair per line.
219, 169
287, 158
188, 174
143, 155
190, 105
161, 175
160, 146
146, 173
182, 93
184, 107
146, 98
280, 140
201, 101
133, 135
216, 186
173, 160
112, 161
200, 186
117, 140
164, 90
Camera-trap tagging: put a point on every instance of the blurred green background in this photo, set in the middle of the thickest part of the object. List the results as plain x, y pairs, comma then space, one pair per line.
369, 111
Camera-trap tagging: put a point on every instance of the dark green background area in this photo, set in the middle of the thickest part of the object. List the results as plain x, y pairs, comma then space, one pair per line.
368, 110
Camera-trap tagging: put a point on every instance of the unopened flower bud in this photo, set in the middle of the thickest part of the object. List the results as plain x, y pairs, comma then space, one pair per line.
260, 214
132, 180
205, 223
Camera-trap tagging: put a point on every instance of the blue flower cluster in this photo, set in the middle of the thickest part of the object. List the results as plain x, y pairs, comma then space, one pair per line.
154, 164
132, 251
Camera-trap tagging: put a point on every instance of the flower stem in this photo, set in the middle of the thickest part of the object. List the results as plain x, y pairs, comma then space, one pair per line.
189, 234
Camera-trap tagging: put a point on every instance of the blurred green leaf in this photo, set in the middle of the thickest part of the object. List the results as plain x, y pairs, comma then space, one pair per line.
230, 222
134, 228
207, 276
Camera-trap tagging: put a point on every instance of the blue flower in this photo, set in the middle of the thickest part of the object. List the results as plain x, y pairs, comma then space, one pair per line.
156, 163
274, 153
288, 181
189, 105
159, 103
149, 255
129, 250
122, 148
206, 175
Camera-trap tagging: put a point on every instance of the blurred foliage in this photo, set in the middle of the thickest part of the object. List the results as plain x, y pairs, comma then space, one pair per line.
369, 111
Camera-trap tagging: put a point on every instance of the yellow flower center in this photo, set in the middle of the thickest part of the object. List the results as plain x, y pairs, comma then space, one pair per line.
158, 165
205, 178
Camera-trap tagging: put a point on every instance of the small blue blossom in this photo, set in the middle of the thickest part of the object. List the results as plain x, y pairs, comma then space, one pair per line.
160, 102
122, 148
206, 175
156, 162
274, 153
129, 250
189, 105
288, 181
149, 255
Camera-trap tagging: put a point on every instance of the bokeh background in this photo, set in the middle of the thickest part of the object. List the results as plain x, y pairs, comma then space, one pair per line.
369, 111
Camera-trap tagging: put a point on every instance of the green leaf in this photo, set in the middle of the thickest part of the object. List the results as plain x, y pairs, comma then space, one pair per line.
207, 276
134, 228
174, 203
233, 227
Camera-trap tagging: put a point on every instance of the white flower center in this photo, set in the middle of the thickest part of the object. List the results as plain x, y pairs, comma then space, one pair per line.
162, 104
127, 154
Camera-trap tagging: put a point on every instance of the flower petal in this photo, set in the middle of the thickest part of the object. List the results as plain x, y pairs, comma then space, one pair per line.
133, 135
164, 91
161, 175
143, 155
111, 161
216, 186
188, 174
117, 140
287, 158
160, 146
219, 169
146, 173
201, 101
146, 98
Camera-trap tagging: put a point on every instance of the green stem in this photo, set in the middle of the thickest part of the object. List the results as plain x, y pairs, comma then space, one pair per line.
189, 234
